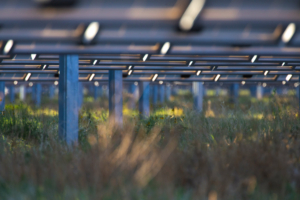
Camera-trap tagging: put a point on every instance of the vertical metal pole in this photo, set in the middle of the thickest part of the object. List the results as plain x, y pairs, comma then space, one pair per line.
2, 96
162, 94
155, 95
168, 92
198, 96
218, 91
136, 92
134, 95
38, 94
68, 98
259, 92
144, 100
51, 91
12, 93
234, 93
96, 93
253, 90
33, 92
115, 97
22, 92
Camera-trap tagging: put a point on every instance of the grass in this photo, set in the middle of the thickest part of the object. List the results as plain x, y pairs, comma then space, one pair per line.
249, 151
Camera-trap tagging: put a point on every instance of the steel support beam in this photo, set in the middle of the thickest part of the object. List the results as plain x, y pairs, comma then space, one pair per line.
38, 94
12, 94
134, 91
253, 90
33, 92
22, 92
234, 93
115, 97
51, 91
2, 96
144, 100
162, 94
68, 98
198, 96
168, 92
259, 92
218, 90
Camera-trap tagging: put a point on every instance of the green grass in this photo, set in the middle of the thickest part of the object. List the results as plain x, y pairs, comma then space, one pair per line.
249, 151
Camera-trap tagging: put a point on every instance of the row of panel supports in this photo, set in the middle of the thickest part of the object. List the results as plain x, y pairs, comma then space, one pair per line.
164, 92
71, 97
70, 90
159, 92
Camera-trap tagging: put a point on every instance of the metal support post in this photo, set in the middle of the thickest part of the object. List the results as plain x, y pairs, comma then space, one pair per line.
144, 100
259, 92
134, 95
234, 93
168, 92
96, 92
68, 98
218, 91
38, 94
162, 94
115, 97
2, 96
253, 90
198, 96
33, 92
22, 92
12, 94
51, 91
